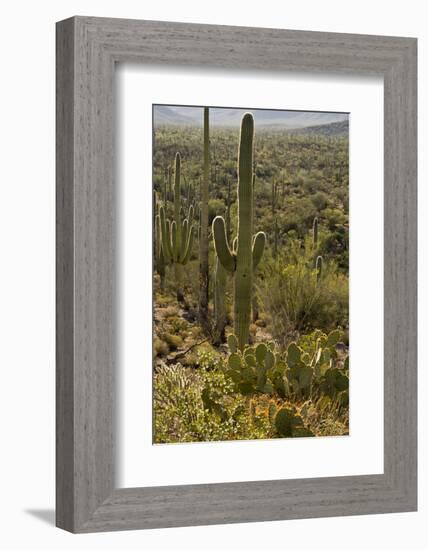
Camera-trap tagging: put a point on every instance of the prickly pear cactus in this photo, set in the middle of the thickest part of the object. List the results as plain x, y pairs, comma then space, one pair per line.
299, 372
257, 369
289, 423
242, 260
334, 382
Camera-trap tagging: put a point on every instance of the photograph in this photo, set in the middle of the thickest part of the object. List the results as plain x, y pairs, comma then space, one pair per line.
250, 274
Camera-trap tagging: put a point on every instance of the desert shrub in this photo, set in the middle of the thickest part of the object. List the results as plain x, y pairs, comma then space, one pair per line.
191, 282
335, 246
170, 311
334, 217
325, 417
177, 325
320, 200
173, 340
216, 207
160, 347
297, 300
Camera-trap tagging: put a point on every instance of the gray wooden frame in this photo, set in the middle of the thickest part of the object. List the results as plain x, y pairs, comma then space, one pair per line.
87, 50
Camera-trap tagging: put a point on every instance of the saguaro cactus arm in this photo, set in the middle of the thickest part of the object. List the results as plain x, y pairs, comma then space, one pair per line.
165, 233
158, 234
159, 251
174, 241
258, 248
235, 245
189, 245
225, 256
184, 239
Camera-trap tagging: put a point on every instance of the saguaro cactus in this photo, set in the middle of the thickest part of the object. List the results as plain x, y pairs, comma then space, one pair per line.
203, 231
229, 202
254, 301
274, 196
315, 245
220, 283
244, 258
275, 238
165, 183
177, 235
254, 194
315, 233
169, 190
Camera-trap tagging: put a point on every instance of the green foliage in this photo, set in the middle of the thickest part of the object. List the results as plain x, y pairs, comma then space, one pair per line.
201, 406
238, 399
216, 207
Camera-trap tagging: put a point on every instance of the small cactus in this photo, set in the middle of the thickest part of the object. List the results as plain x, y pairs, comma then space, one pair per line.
318, 267
274, 196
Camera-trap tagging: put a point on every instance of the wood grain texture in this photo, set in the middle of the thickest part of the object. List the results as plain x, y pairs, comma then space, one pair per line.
64, 277
87, 50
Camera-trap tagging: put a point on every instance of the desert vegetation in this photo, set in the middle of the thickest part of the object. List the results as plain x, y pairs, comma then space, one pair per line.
250, 315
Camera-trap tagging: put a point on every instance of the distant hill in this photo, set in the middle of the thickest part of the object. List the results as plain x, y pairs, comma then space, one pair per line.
330, 130
226, 117
170, 115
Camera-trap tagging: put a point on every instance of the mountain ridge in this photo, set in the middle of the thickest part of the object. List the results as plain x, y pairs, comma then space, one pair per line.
230, 117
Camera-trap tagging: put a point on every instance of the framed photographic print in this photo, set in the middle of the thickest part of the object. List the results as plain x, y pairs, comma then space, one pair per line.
236, 274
